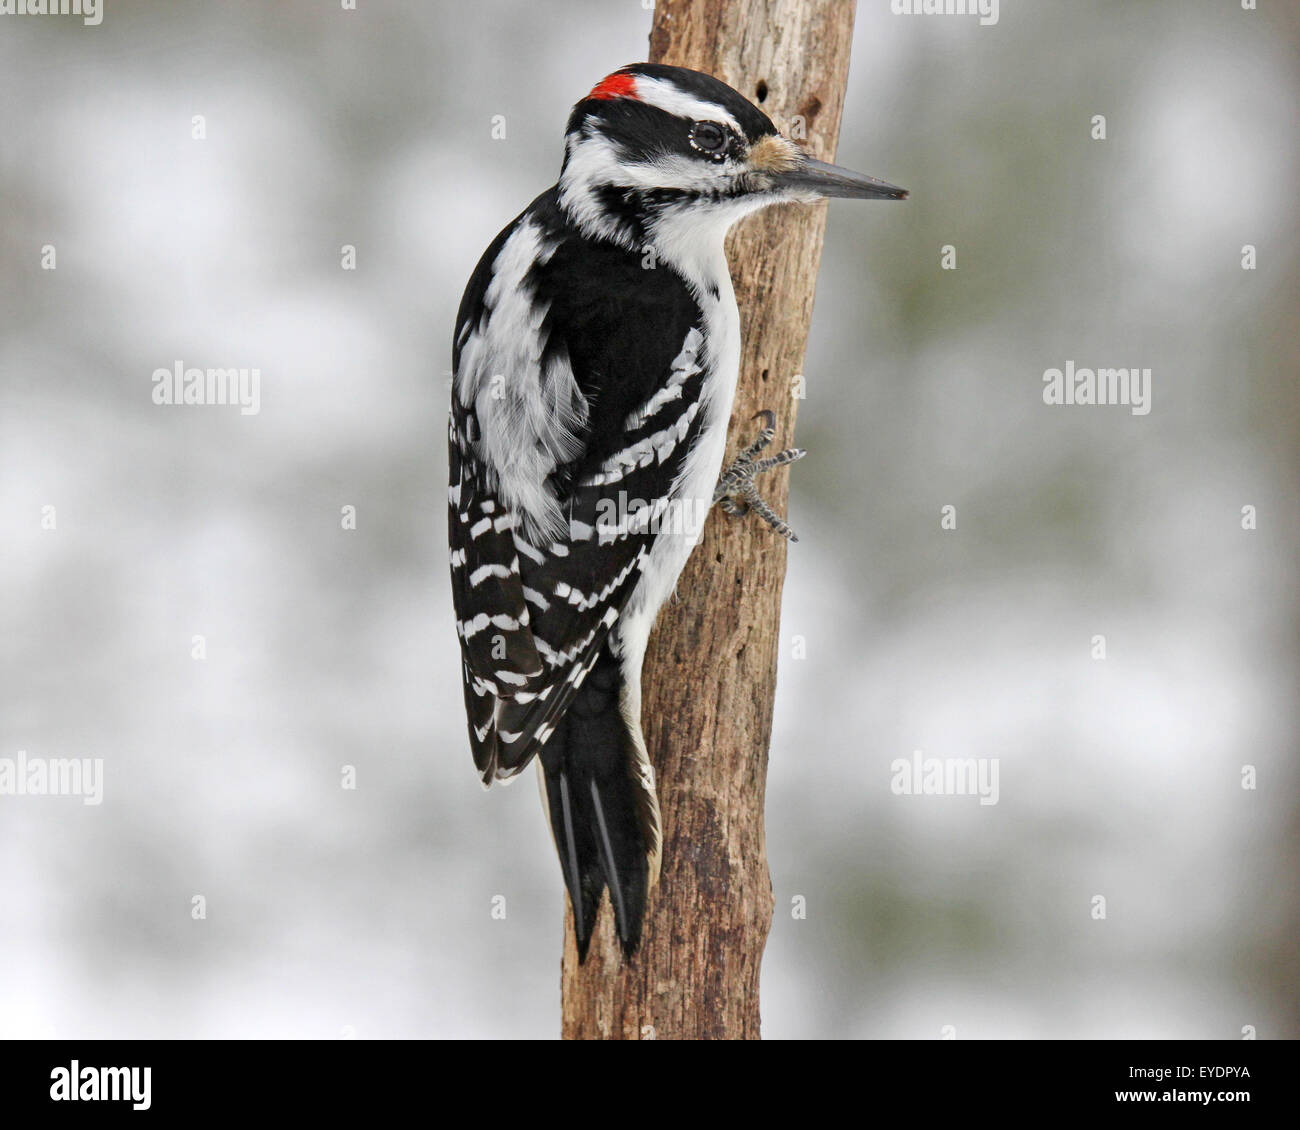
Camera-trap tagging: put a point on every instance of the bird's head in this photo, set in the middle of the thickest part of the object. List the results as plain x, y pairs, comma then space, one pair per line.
655, 154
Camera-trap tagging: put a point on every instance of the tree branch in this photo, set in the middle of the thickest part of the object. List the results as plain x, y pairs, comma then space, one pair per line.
710, 671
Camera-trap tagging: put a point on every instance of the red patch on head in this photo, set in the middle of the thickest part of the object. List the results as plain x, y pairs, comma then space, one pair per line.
617, 85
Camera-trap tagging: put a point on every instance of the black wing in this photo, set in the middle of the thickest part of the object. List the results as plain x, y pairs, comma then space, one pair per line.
532, 611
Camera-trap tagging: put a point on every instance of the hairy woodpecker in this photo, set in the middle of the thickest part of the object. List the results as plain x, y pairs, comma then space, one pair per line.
594, 363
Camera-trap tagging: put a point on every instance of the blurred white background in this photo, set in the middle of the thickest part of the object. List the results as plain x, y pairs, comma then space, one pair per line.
367, 912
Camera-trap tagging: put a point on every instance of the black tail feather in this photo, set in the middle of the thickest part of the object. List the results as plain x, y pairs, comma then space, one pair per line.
596, 813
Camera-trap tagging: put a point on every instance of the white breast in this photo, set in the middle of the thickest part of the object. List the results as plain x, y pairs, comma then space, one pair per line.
692, 493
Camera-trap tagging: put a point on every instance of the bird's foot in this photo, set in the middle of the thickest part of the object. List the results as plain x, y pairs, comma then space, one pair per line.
737, 492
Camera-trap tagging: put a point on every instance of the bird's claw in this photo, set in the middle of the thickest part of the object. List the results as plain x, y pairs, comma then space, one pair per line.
737, 493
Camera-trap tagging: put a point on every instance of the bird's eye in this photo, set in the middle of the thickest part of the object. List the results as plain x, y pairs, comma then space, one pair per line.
710, 139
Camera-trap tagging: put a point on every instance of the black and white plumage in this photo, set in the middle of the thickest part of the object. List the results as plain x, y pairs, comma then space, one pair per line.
595, 358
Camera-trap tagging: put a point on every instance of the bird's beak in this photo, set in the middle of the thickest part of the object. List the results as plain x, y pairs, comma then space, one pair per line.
817, 178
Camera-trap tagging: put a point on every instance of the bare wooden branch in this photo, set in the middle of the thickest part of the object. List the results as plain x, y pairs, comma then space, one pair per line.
710, 672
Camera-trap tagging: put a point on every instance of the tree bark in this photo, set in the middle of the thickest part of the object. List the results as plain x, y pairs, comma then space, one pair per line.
710, 671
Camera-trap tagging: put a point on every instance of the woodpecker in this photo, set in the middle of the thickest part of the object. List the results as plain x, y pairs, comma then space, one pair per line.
594, 362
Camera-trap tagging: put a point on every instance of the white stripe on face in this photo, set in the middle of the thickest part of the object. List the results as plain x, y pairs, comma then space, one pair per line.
664, 95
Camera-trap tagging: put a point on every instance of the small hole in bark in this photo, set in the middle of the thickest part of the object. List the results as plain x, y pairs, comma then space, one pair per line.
761, 92
765, 372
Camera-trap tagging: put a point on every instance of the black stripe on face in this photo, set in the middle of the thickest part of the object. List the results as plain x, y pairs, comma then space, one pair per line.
642, 131
639, 132
642, 135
